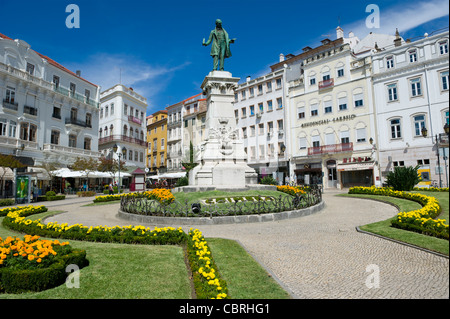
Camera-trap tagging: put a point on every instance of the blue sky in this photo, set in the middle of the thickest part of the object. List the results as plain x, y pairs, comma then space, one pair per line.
157, 44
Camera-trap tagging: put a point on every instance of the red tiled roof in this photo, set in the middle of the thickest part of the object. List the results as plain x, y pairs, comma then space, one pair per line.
53, 62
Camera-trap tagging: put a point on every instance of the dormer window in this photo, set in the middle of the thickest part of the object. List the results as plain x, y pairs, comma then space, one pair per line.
412, 55
30, 68
390, 62
443, 47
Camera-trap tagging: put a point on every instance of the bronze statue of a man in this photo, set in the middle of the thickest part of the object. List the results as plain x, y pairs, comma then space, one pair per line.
220, 49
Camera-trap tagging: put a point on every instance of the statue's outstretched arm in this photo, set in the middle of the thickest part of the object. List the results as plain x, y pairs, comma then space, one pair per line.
209, 40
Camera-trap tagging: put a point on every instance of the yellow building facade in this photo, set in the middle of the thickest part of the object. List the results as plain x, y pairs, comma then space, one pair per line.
157, 142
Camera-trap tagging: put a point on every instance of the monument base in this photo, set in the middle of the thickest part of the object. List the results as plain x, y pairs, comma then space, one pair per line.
207, 188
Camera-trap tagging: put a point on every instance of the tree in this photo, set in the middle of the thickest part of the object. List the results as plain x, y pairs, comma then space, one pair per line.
403, 178
8, 161
189, 163
86, 165
111, 166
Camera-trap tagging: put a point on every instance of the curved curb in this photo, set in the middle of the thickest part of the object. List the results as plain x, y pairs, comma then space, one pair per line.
402, 243
220, 220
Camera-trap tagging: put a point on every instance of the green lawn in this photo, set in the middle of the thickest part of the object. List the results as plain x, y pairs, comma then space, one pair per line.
384, 228
119, 271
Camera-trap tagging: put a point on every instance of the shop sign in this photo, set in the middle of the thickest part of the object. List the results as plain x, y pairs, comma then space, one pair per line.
333, 120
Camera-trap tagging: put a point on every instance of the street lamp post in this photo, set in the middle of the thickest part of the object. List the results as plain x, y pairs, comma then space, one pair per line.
124, 152
282, 149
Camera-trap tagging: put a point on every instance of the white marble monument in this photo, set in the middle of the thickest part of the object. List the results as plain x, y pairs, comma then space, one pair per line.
222, 159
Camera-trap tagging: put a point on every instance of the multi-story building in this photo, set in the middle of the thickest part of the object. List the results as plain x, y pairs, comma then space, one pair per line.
157, 142
47, 112
122, 123
331, 112
194, 120
411, 92
260, 118
176, 151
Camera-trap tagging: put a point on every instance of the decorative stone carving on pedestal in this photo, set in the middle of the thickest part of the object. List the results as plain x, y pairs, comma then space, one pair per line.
222, 159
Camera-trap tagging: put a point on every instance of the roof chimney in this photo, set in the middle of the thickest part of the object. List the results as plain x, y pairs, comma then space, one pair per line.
281, 57
249, 78
339, 33
78, 73
398, 39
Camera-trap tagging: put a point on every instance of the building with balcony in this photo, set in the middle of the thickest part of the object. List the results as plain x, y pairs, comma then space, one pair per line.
260, 119
47, 112
411, 90
157, 142
331, 113
122, 122
194, 124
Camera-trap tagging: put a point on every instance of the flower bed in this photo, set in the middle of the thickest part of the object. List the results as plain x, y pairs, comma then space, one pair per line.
33, 264
208, 283
431, 189
160, 194
291, 190
421, 220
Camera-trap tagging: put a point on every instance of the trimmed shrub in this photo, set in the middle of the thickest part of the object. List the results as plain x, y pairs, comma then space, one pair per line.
403, 178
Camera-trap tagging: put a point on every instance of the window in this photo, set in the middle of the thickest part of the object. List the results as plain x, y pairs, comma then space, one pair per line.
342, 104
252, 130
278, 83
10, 94
261, 128
316, 141
252, 110
12, 128
236, 114
260, 89
412, 55
302, 143
419, 124
392, 92
269, 106
328, 107
314, 109
329, 139
251, 92
280, 103
271, 150
340, 73
125, 130
443, 47
88, 119
301, 112
112, 108
345, 137
162, 144
130, 155
444, 81
56, 112
244, 132
312, 81
72, 89
261, 151
243, 94
416, 88
3, 126
390, 62
280, 125
87, 96
24, 131
359, 100
106, 111
326, 76
396, 131
72, 140
269, 86
423, 162
261, 108
30, 68
398, 163
244, 112
56, 81
361, 135
54, 137
270, 127
125, 109
73, 114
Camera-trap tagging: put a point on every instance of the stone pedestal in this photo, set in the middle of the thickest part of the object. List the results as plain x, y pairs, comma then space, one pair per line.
222, 159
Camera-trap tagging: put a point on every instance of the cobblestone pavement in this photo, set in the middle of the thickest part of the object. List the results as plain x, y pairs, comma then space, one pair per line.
321, 255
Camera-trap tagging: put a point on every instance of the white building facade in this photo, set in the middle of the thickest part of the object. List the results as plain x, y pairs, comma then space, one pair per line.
122, 122
47, 112
260, 119
411, 92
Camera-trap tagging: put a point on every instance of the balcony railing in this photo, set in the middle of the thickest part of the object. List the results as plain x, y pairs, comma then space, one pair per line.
70, 150
330, 149
10, 105
134, 119
325, 84
78, 122
30, 110
121, 138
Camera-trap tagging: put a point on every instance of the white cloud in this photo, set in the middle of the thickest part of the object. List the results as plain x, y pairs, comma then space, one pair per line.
108, 70
404, 17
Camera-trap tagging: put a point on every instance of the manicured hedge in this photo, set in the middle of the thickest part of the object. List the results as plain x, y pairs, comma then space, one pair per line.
19, 281
421, 220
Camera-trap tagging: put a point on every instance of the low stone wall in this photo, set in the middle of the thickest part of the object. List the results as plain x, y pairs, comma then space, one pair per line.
219, 220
